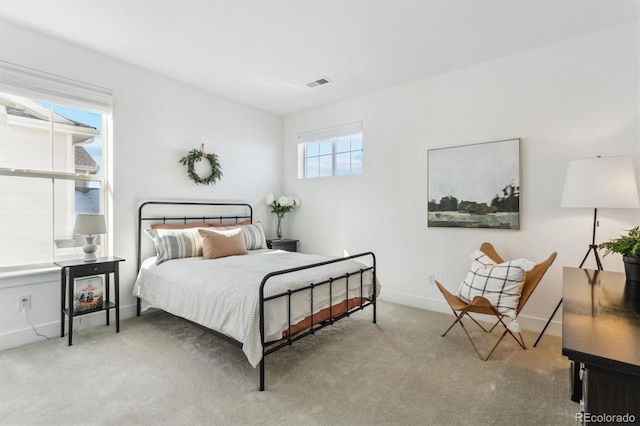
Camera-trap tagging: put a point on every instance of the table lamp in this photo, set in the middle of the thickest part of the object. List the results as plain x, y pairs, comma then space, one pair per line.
89, 225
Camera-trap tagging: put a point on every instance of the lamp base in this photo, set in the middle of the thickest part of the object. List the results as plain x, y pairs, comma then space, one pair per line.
89, 249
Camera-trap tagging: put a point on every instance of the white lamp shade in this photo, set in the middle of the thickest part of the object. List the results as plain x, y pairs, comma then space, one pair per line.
89, 224
602, 182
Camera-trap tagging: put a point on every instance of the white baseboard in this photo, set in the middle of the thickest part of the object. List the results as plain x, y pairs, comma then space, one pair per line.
415, 301
439, 305
27, 335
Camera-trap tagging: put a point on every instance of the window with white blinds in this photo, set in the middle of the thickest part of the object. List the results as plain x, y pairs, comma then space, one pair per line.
330, 152
53, 156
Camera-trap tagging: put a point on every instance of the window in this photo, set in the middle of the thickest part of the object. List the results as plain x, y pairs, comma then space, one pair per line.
330, 152
53, 138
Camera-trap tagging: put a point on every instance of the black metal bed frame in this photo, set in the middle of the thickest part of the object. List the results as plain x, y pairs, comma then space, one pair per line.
270, 347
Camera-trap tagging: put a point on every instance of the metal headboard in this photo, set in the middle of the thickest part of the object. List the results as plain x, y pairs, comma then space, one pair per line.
220, 215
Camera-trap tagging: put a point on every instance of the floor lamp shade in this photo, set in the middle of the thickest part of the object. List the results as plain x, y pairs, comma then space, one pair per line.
602, 182
89, 225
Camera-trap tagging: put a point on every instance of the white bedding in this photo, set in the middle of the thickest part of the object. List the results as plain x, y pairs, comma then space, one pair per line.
223, 294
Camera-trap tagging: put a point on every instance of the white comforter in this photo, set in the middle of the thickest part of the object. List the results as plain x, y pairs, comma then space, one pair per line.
223, 294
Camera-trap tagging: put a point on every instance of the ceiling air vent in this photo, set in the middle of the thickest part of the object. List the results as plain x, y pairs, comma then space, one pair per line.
318, 82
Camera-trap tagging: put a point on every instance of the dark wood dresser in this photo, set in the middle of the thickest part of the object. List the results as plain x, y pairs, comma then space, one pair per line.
601, 336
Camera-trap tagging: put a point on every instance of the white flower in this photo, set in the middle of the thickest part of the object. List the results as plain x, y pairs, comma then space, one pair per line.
282, 205
285, 201
270, 199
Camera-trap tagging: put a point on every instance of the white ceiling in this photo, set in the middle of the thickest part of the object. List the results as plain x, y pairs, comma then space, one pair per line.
262, 52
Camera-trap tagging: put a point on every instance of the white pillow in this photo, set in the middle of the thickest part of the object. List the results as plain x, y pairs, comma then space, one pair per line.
500, 283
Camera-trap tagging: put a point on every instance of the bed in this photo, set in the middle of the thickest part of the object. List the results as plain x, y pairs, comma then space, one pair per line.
262, 300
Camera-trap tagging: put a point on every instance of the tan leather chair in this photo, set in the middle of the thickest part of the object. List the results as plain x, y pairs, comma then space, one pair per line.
480, 305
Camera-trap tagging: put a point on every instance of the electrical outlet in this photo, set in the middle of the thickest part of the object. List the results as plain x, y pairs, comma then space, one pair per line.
24, 302
431, 279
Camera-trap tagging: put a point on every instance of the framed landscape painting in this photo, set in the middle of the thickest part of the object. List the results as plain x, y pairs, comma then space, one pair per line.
474, 186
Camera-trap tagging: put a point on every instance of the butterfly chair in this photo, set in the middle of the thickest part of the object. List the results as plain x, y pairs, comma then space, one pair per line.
480, 305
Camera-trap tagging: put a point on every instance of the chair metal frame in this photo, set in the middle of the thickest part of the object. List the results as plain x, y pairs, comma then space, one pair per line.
480, 305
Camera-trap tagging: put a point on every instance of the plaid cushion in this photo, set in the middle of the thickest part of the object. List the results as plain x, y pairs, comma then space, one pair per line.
501, 283
175, 243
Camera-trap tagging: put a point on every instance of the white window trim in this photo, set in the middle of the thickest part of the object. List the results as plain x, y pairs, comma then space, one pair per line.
32, 83
28, 82
15, 276
323, 134
331, 132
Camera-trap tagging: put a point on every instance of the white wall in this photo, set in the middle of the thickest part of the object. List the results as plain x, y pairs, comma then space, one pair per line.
156, 121
571, 100
575, 99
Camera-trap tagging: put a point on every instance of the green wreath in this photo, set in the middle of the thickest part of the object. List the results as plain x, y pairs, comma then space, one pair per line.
196, 155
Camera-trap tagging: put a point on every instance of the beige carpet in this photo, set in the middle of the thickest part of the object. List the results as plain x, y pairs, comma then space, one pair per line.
160, 370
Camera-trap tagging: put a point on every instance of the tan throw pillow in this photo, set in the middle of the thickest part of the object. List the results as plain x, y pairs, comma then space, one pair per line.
221, 243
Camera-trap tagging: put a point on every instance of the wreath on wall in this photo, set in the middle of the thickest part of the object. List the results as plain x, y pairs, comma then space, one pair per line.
196, 155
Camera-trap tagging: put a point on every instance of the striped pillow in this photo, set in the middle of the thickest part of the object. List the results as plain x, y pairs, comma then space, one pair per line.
175, 243
254, 236
500, 284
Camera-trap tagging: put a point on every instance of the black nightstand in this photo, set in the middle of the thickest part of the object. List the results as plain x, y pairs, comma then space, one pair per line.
283, 244
78, 268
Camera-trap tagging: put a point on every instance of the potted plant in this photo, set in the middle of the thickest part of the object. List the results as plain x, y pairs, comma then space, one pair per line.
629, 247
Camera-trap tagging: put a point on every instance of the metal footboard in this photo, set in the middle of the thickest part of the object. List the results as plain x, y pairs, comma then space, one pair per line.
370, 300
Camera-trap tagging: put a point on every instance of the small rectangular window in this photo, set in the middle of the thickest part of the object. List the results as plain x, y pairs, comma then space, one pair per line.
330, 152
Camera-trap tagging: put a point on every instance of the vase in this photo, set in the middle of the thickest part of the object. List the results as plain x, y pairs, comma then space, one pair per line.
279, 229
632, 268
631, 295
